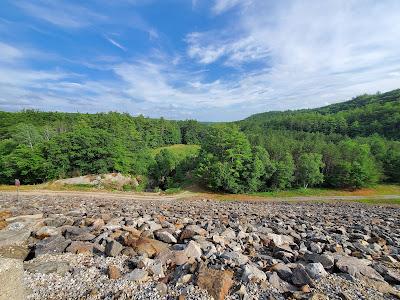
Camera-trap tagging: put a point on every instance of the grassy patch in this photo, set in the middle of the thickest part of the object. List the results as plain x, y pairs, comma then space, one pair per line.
379, 201
171, 191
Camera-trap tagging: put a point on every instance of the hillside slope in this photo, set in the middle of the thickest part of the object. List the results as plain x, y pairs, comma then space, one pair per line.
361, 116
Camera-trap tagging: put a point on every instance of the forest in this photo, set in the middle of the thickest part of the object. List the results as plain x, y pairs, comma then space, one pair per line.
348, 145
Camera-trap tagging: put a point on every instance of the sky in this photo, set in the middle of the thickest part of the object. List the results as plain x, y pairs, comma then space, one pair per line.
210, 60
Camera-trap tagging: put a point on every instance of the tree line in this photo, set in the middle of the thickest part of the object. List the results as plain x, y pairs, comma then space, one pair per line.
346, 145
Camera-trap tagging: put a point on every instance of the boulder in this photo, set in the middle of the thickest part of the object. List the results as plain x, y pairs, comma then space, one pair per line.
14, 240
356, 267
149, 246
216, 282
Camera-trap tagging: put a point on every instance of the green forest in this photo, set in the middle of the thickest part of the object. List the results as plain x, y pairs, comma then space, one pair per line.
348, 145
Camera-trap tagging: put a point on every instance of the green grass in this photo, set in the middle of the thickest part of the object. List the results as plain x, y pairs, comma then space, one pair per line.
172, 191
379, 201
179, 149
382, 189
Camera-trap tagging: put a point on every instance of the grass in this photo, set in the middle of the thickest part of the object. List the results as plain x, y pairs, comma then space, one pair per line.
378, 190
180, 150
172, 191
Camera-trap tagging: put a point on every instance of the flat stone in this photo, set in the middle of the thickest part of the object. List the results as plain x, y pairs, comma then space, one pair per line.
57, 267
216, 282
78, 247
11, 279
235, 258
51, 245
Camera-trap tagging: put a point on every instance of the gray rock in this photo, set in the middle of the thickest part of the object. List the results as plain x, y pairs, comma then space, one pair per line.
113, 248
193, 250
234, 258
316, 270
300, 276
51, 245
283, 271
138, 275
57, 267
356, 267
325, 259
281, 285
162, 289
253, 274
165, 236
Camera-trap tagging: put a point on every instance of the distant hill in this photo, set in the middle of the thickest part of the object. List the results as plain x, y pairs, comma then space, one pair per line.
361, 116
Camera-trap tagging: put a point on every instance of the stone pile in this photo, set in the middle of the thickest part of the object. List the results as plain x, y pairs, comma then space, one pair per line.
234, 250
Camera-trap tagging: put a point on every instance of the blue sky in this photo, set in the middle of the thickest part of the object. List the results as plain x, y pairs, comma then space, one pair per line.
211, 60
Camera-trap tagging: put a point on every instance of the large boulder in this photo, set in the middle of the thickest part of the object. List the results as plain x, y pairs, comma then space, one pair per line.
14, 238
11, 279
358, 268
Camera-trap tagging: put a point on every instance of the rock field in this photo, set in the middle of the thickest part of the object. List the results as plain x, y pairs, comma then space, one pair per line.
99, 247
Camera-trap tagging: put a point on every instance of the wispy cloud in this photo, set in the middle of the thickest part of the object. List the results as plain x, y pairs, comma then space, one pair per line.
60, 13
116, 44
9, 53
221, 6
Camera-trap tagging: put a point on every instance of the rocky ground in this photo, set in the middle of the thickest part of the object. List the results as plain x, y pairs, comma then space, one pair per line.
86, 247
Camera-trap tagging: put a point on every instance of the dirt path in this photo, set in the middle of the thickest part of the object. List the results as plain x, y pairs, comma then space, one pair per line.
189, 195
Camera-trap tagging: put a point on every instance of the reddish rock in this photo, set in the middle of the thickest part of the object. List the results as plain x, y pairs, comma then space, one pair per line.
216, 282
148, 246
113, 272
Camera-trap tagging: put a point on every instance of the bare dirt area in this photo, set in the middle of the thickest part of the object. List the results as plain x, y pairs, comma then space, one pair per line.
79, 245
